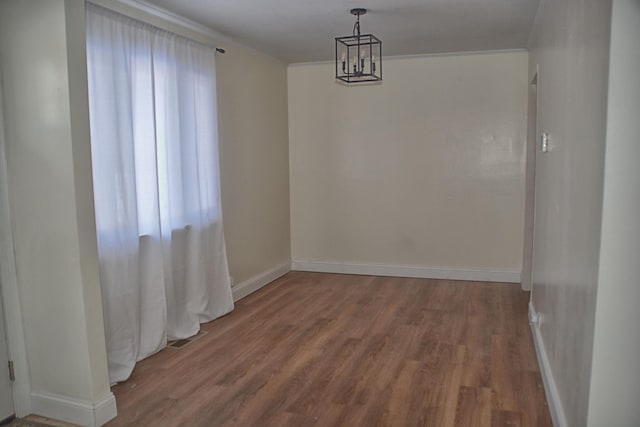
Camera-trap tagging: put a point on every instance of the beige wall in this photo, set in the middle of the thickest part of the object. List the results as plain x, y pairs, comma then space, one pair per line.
254, 157
51, 201
570, 44
615, 377
426, 169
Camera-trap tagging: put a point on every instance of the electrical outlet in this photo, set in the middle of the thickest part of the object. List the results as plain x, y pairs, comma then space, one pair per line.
534, 319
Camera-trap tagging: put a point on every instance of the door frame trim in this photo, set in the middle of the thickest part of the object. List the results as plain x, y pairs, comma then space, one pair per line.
17, 348
531, 147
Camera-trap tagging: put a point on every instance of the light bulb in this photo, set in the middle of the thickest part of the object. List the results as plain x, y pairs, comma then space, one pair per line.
343, 56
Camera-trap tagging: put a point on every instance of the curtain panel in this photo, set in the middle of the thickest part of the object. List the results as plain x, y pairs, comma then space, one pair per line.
154, 143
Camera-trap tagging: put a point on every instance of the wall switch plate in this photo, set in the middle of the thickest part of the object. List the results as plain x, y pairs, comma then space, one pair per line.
544, 142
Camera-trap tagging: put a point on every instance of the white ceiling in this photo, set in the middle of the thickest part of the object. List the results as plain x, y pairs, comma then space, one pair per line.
304, 30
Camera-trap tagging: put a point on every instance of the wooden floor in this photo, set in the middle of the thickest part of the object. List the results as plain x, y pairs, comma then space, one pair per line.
315, 349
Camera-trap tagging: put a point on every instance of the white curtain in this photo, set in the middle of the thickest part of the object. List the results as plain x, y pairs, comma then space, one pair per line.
163, 266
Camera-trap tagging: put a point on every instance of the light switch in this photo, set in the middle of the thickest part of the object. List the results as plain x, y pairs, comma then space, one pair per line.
544, 142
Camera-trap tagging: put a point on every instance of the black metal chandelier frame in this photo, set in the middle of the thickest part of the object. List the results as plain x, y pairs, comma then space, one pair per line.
358, 56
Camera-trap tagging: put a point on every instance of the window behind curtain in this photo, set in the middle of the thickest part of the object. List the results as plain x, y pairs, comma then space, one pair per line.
158, 107
163, 265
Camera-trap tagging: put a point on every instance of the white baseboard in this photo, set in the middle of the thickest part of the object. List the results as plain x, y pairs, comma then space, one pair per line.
83, 413
256, 282
407, 271
550, 388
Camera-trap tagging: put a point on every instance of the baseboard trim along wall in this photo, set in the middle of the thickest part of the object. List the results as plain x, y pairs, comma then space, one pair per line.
84, 413
407, 271
550, 388
258, 281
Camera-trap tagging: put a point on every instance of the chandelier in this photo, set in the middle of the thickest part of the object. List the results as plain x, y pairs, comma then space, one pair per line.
358, 56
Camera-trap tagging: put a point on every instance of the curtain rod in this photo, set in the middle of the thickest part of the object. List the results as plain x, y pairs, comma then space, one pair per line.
165, 15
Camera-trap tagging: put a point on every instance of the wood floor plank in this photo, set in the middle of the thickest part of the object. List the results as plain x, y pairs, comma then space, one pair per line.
450, 389
506, 419
315, 349
503, 375
397, 410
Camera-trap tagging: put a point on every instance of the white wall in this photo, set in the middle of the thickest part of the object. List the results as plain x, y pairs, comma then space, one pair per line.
254, 156
51, 207
615, 378
570, 43
424, 170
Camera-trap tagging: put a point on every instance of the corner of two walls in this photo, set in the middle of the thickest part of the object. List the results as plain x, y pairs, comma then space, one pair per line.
58, 330
255, 188
421, 176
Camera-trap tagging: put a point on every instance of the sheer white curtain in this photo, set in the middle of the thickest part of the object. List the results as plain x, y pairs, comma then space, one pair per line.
163, 266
